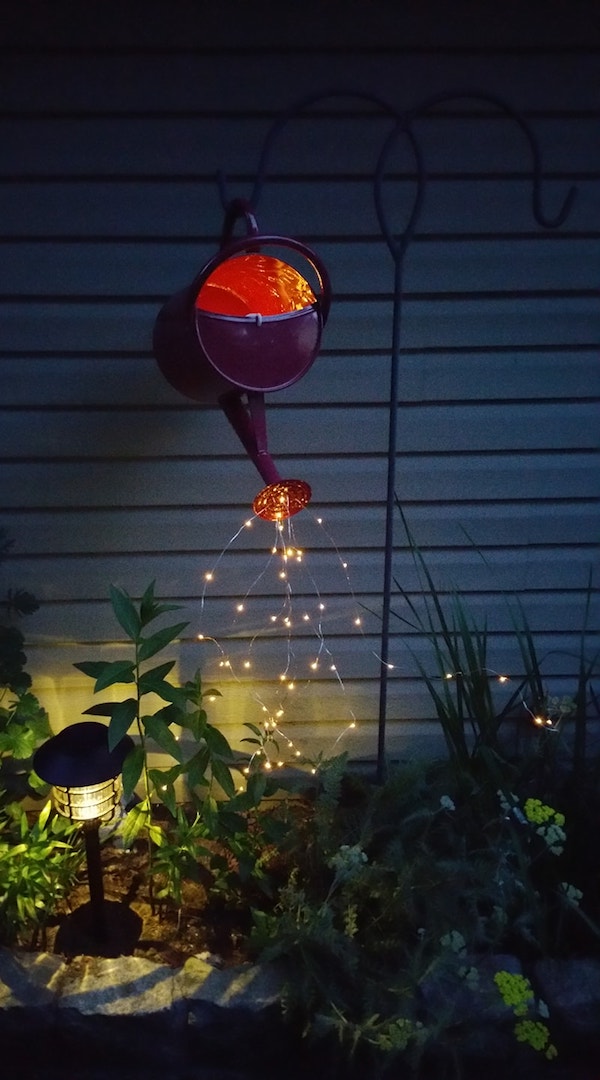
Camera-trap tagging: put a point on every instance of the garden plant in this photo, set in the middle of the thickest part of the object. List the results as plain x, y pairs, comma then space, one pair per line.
398, 912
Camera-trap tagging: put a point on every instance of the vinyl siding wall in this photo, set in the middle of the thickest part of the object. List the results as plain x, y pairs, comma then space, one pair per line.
113, 128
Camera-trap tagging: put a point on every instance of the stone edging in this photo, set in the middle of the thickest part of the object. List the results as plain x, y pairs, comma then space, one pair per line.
133, 1011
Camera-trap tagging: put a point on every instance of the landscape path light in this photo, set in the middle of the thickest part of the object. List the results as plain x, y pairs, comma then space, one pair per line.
86, 788
249, 323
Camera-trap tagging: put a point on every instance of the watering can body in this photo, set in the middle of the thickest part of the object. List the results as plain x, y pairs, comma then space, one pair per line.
206, 352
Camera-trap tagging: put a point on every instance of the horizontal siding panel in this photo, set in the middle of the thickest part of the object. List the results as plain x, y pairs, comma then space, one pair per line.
317, 724
422, 429
188, 83
149, 145
550, 261
362, 324
182, 574
556, 617
468, 323
556, 652
172, 207
314, 719
557, 655
503, 376
222, 482
193, 528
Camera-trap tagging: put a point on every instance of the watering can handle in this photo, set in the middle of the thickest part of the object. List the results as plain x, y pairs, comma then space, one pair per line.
238, 208
253, 242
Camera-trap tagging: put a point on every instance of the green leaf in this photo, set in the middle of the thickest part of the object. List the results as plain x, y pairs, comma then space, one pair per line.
125, 612
166, 795
257, 731
108, 673
217, 743
210, 814
18, 740
223, 776
150, 646
197, 767
165, 776
256, 786
148, 605
153, 682
156, 729
124, 713
44, 815
150, 609
133, 823
156, 834
132, 770
106, 708
196, 722
172, 714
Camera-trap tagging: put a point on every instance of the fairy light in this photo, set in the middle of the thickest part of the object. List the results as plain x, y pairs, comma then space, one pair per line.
537, 719
288, 565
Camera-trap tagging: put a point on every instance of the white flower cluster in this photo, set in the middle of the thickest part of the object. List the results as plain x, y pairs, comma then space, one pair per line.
509, 804
348, 861
572, 893
455, 941
553, 836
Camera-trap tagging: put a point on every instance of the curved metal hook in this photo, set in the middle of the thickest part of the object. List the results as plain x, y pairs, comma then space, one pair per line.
295, 110
537, 175
398, 247
403, 125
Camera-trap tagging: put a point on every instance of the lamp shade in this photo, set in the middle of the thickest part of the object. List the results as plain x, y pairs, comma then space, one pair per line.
79, 755
84, 773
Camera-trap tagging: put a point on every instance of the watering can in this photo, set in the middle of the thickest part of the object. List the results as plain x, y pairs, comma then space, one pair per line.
248, 324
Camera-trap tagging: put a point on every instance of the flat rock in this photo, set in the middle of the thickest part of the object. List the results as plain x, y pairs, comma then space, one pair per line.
121, 986
571, 990
29, 980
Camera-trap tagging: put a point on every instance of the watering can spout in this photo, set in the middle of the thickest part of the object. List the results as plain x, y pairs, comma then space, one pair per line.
280, 498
